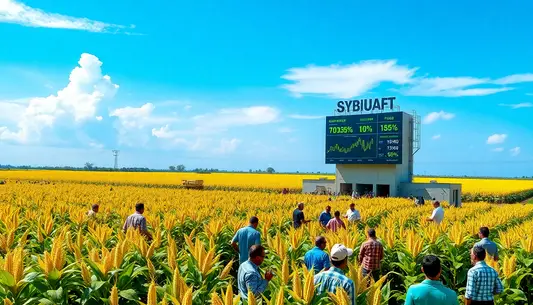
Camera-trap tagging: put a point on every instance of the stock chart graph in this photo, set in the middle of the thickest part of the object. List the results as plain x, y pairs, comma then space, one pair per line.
364, 139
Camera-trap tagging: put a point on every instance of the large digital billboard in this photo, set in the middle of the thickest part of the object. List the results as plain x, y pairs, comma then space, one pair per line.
364, 139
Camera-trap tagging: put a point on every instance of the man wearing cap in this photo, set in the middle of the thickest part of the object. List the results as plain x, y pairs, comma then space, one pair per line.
334, 278
317, 258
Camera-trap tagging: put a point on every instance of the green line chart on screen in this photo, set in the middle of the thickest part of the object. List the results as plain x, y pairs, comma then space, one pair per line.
360, 143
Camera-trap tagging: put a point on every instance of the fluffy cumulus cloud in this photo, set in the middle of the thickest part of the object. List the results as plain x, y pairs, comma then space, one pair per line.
518, 106
496, 138
435, 116
12, 11
78, 102
515, 151
352, 80
346, 81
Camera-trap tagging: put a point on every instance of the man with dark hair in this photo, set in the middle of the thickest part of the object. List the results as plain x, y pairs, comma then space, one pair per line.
137, 221
487, 244
245, 238
431, 291
371, 254
482, 281
336, 223
298, 217
249, 277
325, 216
329, 281
93, 211
438, 213
352, 214
316, 258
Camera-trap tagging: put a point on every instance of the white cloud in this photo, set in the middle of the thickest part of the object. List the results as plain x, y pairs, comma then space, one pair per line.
306, 117
515, 79
285, 130
232, 117
496, 139
356, 79
96, 145
227, 146
338, 81
436, 137
517, 106
77, 101
497, 149
99, 118
515, 151
12, 11
435, 116
451, 87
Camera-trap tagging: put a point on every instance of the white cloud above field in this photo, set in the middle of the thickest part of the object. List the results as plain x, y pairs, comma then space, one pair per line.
356, 79
16, 12
517, 106
515, 151
496, 139
436, 116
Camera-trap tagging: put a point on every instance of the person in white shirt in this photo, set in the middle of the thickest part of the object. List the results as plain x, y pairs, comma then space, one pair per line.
438, 213
352, 214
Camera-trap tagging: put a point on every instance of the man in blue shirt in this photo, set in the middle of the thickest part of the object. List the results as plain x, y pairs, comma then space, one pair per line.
249, 278
245, 238
486, 243
431, 291
317, 258
325, 216
482, 282
334, 278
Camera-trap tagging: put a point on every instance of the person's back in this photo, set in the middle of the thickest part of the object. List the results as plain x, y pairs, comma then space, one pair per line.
246, 237
430, 292
316, 258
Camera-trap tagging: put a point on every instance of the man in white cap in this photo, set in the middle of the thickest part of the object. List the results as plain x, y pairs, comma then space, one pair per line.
330, 280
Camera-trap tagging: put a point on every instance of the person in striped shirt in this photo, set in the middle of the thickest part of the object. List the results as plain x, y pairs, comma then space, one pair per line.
336, 223
334, 278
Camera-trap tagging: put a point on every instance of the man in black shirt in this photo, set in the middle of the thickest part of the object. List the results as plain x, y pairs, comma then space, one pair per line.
298, 217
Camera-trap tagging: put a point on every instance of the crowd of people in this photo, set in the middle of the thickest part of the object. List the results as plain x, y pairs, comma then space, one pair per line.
330, 269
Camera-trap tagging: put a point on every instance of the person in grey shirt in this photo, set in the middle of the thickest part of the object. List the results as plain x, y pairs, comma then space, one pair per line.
487, 244
137, 221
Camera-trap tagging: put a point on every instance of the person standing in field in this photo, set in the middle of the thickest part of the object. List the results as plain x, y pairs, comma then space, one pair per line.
298, 217
352, 214
371, 254
249, 277
334, 278
487, 244
93, 211
316, 258
482, 281
137, 221
438, 213
325, 216
336, 223
245, 238
431, 291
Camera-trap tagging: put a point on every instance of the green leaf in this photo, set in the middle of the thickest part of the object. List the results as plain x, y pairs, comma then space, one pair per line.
55, 295
129, 294
97, 285
46, 302
7, 279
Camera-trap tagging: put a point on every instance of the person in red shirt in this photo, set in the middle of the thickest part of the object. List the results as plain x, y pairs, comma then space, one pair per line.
370, 255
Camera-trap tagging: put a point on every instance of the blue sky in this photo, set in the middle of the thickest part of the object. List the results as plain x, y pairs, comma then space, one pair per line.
246, 85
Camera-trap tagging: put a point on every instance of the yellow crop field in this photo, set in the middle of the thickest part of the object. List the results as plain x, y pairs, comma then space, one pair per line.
52, 253
250, 180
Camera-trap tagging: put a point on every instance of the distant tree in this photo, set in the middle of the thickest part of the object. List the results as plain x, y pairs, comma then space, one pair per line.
270, 170
88, 166
172, 168
250, 170
180, 168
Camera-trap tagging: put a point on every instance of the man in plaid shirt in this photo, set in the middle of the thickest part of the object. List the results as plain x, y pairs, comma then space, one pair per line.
371, 254
334, 278
483, 281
